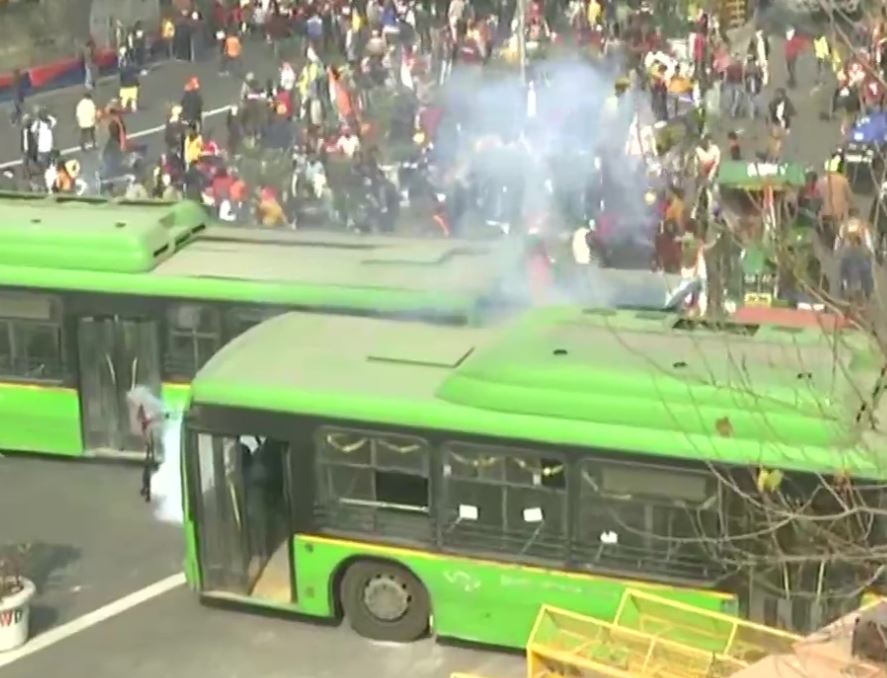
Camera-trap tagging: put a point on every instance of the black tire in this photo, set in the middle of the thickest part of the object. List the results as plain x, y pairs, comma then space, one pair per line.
400, 626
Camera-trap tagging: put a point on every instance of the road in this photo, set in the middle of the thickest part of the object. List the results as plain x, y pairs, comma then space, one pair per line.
95, 543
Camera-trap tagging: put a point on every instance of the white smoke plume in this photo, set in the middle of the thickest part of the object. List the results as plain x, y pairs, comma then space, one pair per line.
541, 142
166, 482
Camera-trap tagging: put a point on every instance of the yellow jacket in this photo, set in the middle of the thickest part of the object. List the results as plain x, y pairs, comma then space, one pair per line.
309, 74
271, 213
821, 48
193, 149
594, 13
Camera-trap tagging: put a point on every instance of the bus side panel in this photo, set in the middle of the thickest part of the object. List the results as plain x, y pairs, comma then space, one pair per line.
42, 419
477, 600
175, 396
191, 564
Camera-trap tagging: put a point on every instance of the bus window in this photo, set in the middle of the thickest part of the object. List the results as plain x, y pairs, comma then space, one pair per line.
30, 337
646, 518
194, 335
38, 350
30, 350
507, 500
373, 481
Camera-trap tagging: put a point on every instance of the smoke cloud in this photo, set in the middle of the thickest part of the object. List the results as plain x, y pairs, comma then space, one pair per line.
540, 146
166, 482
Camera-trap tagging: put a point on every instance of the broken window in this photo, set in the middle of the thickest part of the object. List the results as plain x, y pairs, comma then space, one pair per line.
647, 518
506, 500
372, 481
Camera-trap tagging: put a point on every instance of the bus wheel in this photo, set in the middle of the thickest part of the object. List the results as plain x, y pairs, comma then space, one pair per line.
384, 602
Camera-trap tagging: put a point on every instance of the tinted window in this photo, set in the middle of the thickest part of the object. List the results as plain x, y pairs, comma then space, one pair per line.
193, 337
30, 337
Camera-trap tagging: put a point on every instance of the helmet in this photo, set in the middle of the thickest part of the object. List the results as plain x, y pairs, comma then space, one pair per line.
176, 111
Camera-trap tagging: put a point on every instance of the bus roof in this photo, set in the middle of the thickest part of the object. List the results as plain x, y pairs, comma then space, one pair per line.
422, 265
86, 235
168, 250
630, 381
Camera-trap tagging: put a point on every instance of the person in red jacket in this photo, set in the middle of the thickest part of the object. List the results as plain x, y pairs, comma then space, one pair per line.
794, 45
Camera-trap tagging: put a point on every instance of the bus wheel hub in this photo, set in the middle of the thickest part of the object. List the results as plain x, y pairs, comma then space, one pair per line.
386, 598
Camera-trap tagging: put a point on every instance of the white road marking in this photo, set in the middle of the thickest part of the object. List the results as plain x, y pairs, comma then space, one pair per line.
134, 135
90, 619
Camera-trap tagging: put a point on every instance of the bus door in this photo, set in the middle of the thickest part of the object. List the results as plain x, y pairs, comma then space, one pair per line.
244, 536
115, 354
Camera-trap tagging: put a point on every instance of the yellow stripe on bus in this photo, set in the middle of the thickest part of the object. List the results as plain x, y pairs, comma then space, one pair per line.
377, 549
56, 387
36, 387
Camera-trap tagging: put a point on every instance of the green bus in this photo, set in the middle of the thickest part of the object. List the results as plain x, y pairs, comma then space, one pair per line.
452, 479
97, 296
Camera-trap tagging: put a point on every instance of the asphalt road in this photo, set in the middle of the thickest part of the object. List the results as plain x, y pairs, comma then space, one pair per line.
94, 542
92, 539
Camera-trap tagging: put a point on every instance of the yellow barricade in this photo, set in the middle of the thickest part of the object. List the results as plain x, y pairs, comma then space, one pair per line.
650, 636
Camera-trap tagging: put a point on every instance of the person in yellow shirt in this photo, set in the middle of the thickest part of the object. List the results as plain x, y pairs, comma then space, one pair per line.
679, 83
823, 53
594, 13
269, 211
679, 86
193, 146
167, 35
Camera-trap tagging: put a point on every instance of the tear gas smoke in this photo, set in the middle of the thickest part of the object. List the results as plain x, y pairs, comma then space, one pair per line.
539, 147
166, 482
573, 116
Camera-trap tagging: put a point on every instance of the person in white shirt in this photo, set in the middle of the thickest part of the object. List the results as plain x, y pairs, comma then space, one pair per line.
86, 119
287, 77
455, 14
708, 160
349, 143
50, 176
579, 245
43, 129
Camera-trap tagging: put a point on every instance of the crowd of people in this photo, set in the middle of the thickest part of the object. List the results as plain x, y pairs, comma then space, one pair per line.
351, 129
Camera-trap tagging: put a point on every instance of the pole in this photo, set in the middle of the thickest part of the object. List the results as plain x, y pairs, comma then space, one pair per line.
522, 38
